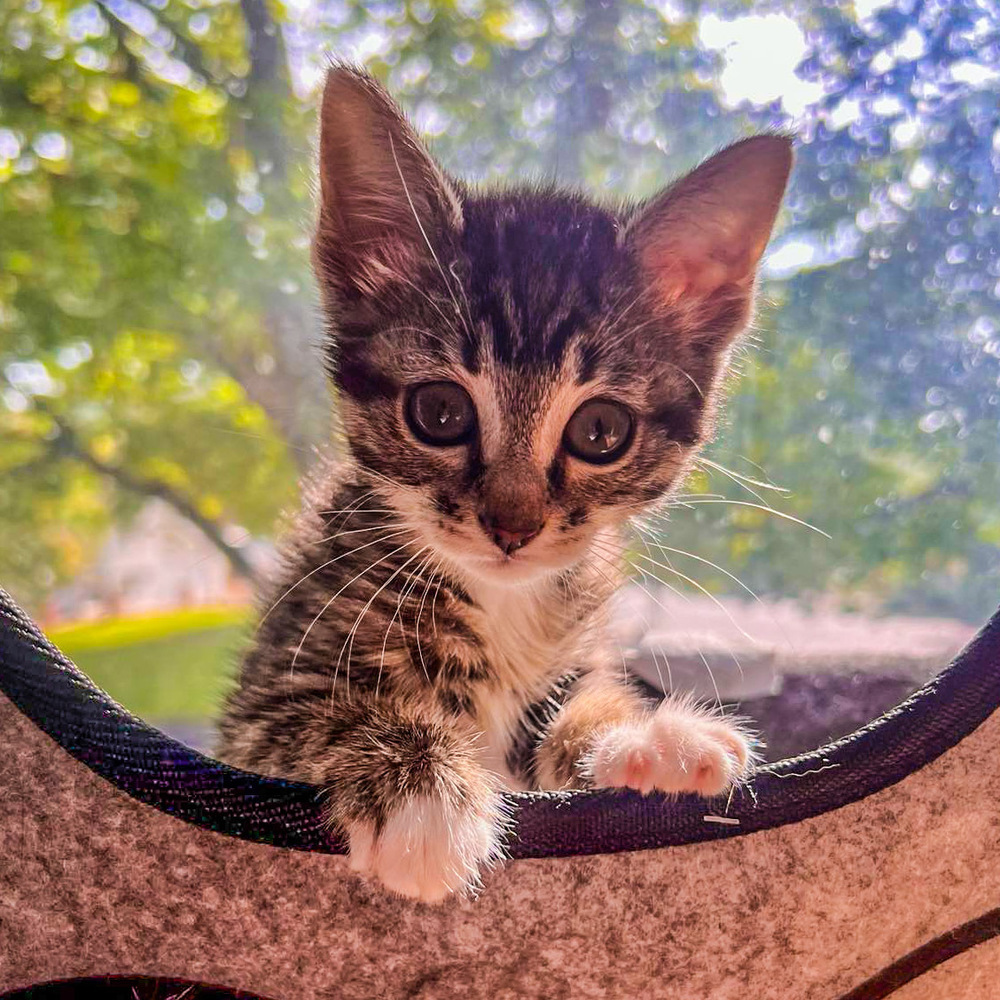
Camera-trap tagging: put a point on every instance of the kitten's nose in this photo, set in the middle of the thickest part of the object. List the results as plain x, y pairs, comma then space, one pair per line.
509, 538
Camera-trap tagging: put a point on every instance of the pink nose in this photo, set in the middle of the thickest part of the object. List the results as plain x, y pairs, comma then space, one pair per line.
508, 539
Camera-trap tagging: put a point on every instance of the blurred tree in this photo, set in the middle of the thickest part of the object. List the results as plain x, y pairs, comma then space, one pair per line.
154, 306
154, 162
894, 446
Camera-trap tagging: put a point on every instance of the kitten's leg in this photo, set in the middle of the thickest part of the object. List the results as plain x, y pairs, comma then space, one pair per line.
419, 812
604, 737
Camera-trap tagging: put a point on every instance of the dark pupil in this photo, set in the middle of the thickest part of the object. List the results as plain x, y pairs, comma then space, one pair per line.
444, 412
440, 414
598, 432
603, 434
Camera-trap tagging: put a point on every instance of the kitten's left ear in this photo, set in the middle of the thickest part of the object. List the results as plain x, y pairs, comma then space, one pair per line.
384, 202
699, 242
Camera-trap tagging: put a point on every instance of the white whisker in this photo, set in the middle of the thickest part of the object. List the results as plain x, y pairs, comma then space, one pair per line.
329, 562
707, 562
739, 477
420, 614
711, 677
437, 594
667, 611
349, 641
423, 233
766, 509
361, 510
403, 594
694, 583
322, 611
357, 531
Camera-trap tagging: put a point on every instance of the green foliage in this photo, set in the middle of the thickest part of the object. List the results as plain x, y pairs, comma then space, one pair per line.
901, 534
144, 256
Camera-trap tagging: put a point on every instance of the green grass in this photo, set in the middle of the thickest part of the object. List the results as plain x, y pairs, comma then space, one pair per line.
172, 666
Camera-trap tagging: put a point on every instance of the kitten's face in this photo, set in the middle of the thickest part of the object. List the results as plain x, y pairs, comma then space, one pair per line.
522, 371
515, 400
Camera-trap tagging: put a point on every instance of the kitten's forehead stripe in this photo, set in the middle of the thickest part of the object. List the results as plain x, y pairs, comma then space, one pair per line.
590, 357
470, 350
536, 263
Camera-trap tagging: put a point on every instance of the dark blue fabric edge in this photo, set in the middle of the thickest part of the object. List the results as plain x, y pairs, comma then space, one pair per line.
157, 770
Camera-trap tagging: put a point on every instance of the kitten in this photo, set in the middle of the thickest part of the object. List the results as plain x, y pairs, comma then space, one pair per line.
519, 372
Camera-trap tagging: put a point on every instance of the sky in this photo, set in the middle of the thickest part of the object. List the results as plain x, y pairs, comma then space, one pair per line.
761, 52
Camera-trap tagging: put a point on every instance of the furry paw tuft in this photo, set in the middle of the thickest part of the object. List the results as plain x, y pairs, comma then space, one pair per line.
429, 848
678, 748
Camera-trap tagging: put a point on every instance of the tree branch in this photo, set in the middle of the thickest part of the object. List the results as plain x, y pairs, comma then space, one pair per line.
278, 393
188, 52
583, 108
69, 445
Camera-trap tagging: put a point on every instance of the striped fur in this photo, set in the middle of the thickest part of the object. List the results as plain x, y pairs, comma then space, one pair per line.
406, 661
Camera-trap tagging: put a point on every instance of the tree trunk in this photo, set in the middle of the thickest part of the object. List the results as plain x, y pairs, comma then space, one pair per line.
585, 105
294, 394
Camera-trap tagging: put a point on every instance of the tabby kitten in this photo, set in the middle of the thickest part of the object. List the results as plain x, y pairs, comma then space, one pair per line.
519, 372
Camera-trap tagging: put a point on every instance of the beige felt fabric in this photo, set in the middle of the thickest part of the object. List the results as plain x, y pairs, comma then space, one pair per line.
93, 883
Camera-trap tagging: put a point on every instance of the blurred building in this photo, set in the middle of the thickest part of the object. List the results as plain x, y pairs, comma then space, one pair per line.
158, 562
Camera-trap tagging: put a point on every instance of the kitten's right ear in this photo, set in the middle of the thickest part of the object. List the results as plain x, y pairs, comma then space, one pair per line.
698, 243
383, 201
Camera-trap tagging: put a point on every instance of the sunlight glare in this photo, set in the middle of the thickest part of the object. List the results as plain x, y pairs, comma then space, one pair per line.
761, 54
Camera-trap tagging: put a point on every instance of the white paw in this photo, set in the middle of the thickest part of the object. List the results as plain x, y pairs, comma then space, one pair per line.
679, 748
428, 848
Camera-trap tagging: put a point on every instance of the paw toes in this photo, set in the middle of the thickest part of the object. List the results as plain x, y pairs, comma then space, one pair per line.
639, 770
678, 749
709, 752
624, 757
713, 771
735, 743
427, 850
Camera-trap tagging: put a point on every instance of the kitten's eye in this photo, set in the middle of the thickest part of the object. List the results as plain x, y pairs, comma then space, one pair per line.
599, 431
441, 413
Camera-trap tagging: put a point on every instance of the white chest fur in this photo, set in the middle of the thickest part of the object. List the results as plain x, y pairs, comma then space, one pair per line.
526, 649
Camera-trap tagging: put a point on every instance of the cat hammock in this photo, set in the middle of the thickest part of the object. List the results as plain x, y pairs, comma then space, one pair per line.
866, 869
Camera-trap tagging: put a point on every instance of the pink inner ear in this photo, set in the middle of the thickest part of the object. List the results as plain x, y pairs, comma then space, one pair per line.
383, 197
693, 269
708, 231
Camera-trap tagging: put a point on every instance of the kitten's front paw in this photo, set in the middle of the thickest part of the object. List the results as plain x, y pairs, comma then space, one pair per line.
429, 848
679, 748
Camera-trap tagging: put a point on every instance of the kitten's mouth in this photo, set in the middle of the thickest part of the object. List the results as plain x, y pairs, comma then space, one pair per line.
497, 567
508, 566
501, 560
510, 558
513, 568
